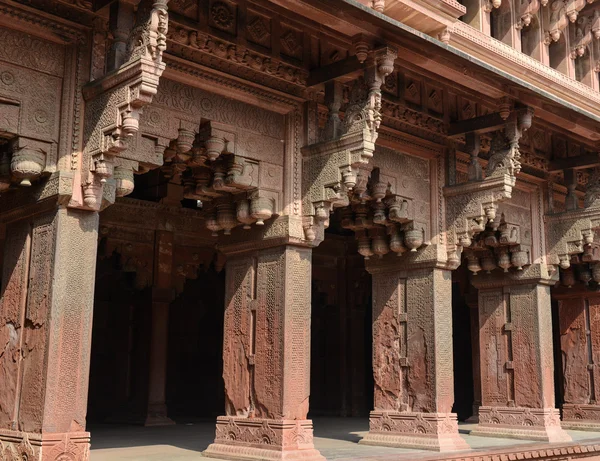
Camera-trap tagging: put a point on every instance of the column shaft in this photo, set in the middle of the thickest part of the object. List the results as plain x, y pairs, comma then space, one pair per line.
45, 331
162, 293
517, 369
579, 318
412, 361
266, 357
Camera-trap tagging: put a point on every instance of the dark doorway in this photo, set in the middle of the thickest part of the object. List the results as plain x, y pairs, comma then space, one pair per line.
462, 346
341, 348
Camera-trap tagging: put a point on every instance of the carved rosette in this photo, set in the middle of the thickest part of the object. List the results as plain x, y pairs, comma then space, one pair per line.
114, 104
333, 169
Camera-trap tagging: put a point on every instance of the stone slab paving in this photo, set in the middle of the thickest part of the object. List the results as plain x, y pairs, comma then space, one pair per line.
336, 438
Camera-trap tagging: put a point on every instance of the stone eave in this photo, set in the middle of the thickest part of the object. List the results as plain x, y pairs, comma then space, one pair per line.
451, 62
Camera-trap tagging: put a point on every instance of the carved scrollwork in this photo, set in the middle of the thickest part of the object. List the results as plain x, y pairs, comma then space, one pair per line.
471, 207
115, 102
337, 167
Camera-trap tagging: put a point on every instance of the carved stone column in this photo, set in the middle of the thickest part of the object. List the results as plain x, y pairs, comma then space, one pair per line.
579, 318
162, 294
517, 369
412, 359
266, 357
45, 332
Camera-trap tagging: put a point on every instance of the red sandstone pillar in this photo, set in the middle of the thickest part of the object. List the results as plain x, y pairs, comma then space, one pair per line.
266, 357
579, 317
412, 360
517, 368
161, 300
45, 335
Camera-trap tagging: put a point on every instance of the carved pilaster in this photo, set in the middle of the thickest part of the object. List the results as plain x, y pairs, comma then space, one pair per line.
266, 357
47, 292
412, 359
517, 369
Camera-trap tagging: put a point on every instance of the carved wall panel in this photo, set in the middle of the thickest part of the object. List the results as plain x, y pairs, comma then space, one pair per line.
31, 81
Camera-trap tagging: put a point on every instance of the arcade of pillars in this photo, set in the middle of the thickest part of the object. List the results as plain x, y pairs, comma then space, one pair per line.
240, 132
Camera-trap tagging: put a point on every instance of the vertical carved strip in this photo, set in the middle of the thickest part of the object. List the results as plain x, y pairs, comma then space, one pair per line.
389, 378
421, 346
510, 356
528, 384
594, 338
573, 348
12, 312
442, 317
297, 333
36, 328
236, 372
492, 348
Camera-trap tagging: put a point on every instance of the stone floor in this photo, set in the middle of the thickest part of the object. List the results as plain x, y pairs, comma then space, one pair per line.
336, 438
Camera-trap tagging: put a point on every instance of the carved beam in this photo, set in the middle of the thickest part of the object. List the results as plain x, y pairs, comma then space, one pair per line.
486, 123
342, 68
575, 163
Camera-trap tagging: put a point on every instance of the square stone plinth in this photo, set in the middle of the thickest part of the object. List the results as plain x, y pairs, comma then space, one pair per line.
581, 417
541, 424
263, 439
15, 445
426, 431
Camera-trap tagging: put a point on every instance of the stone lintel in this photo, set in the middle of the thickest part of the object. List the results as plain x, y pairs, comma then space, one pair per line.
426, 431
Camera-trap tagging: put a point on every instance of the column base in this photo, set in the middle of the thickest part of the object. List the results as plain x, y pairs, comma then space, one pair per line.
157, 416
581, 417
474, 418
426, 431
15, 445
542, 424
263, 439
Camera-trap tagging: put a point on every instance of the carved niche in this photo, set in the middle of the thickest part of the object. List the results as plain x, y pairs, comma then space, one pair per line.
338, 168
114, 105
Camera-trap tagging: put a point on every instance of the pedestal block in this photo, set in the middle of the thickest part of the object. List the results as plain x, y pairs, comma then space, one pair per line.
521, 423
45, 332
516, 356
266, 357
430, 431
579, 319
263, 439
412, 358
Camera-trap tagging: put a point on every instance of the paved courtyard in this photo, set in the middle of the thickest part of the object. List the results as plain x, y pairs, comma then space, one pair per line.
336, 438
